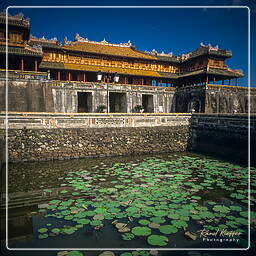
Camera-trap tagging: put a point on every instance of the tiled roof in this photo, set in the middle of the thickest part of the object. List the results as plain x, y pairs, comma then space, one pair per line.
192, 73
108, 50
225, 72
44, 44
16, 20
213, 71
19, 51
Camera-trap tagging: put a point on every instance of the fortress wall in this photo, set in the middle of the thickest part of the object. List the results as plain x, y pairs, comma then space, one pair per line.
223, 135
65, 96
229, 99
63, 136
50, 144
53, 96
27, 95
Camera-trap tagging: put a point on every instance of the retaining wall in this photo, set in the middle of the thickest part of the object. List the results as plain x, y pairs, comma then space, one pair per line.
49, 144
36, 137
224, 136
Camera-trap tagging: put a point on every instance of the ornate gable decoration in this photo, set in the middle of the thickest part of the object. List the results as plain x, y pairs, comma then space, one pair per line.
79, 39
53, 40
34, 48
16, 18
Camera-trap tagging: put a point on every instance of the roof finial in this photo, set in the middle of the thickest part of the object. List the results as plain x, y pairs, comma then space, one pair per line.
104, 40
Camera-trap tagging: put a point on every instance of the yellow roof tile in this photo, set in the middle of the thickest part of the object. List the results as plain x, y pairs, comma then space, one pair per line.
108, 50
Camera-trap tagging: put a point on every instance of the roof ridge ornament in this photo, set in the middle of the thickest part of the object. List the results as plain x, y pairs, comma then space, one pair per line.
43, 39
78, 38
104, 41
34, 48
66, 42
20, 17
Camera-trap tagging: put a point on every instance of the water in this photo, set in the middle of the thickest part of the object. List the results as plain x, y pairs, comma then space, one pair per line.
77, 203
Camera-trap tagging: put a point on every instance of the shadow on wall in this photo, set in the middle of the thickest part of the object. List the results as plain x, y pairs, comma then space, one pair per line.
188, 100
217, 137
213, 99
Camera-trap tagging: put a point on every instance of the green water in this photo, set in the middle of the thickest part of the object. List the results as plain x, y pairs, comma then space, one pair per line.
131, 202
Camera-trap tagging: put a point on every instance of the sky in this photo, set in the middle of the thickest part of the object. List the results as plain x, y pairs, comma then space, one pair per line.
177, 30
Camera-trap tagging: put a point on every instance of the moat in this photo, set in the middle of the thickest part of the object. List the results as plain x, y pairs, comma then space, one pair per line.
130, 202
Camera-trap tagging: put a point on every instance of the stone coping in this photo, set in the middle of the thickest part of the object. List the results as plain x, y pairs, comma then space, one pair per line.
21, 120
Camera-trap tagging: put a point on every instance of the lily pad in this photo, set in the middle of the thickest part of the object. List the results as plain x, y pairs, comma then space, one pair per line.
144, 222
157, 240
128, 236
43, 236
42, 230
75, 253
141, 231
168, 229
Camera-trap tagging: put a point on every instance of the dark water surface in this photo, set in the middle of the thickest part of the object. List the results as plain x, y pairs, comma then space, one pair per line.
130, 202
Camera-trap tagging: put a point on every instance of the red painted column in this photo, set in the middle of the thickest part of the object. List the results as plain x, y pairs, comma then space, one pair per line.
22, 64
58, 75
35, 65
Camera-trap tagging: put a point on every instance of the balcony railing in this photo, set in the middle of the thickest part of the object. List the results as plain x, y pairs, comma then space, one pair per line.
18, 74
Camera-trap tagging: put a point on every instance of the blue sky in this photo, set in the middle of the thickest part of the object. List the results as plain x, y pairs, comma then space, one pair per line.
164, 29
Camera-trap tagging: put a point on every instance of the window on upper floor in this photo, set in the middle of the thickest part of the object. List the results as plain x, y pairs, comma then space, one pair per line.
14, 37
2, 35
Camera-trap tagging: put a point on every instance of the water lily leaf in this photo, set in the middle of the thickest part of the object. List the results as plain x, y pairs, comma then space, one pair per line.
236, 208
55, 230
107, 253
144, 222
168, 229
128, 236
42, 230
95, 222
154, 225
68, 230
43, 236
160, 213
126, 253
221, 208
120, 225
98, 217
75, 253
157, 240
179, 223
141, 231
158, 220
83, 221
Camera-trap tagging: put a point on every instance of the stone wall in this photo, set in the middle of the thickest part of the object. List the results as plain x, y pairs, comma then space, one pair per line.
49, 144
91, 120
32, 137
27, 96
229, 99
65, 95
214, 99
223, 136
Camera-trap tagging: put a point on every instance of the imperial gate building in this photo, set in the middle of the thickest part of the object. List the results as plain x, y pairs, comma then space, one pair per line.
87, 76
